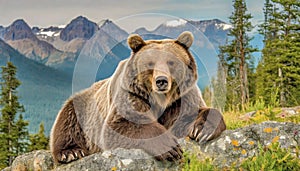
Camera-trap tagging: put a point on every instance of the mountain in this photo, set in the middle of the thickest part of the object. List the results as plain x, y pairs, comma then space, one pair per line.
60, 47
73, 38
47, 33
2, 29
101, 54
43, 89
214, 30
19, 29
113, 30
80, 27
69, 38
20, 36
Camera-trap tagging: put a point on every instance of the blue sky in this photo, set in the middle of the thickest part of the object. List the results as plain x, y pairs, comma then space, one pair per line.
59, 12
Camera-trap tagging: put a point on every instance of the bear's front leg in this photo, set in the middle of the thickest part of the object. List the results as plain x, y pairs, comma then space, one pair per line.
149, 136
67, 142
208, 125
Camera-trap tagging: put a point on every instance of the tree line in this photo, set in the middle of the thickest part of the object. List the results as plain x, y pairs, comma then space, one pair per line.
14, 136
275, 80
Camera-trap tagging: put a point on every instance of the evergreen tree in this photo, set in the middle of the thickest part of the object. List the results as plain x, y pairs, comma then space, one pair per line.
236, 56
39, 141
21, 131
268, 29
278, 73
13, 134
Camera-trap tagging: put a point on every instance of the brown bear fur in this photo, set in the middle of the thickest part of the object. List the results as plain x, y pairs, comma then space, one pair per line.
151, 100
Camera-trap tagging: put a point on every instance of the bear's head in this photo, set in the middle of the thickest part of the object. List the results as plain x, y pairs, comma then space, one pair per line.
160, 68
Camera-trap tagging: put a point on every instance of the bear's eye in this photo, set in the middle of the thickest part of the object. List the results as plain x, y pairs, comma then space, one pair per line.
150, 64
170, 63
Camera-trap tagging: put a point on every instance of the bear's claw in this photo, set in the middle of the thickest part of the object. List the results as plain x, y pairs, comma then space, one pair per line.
204, 134
207, 126
173, 155
66, 156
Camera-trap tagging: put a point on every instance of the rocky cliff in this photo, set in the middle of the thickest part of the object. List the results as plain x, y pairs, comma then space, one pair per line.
80, 27
231, 146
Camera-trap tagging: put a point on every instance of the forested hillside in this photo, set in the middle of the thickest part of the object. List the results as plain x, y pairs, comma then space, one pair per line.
43, 89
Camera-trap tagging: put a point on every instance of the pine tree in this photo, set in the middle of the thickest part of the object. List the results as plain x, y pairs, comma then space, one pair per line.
236, 56
13, 134
21, 132
278, 73
39, 141
268, 29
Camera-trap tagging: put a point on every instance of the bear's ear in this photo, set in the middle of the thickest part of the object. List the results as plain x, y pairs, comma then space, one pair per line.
135, 42
185, 39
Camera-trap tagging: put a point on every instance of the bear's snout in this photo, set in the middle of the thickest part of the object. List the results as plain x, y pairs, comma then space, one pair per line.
162, 83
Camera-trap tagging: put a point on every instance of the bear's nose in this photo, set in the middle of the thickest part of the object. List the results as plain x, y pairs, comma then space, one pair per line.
161, 83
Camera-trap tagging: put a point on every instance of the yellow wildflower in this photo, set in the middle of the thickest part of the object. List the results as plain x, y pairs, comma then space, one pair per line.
268, 130
243, 152
275, 139
251, 142
235, 143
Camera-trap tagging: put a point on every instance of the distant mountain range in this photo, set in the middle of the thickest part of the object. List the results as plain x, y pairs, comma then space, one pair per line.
47, 58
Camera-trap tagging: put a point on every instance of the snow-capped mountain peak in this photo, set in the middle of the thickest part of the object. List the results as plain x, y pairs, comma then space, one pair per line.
44, 33
223, 26
61, 26
175, 23
48, 33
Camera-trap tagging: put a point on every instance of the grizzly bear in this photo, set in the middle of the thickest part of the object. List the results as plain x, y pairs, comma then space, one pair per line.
150, 101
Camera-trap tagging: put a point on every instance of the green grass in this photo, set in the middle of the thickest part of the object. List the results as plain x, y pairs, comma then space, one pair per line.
192, 162
236, 120
272, 157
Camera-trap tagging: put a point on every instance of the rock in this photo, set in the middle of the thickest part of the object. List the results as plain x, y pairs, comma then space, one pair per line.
236, 145
119, 159
248, 115
37, 160
288, 112
231, 147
